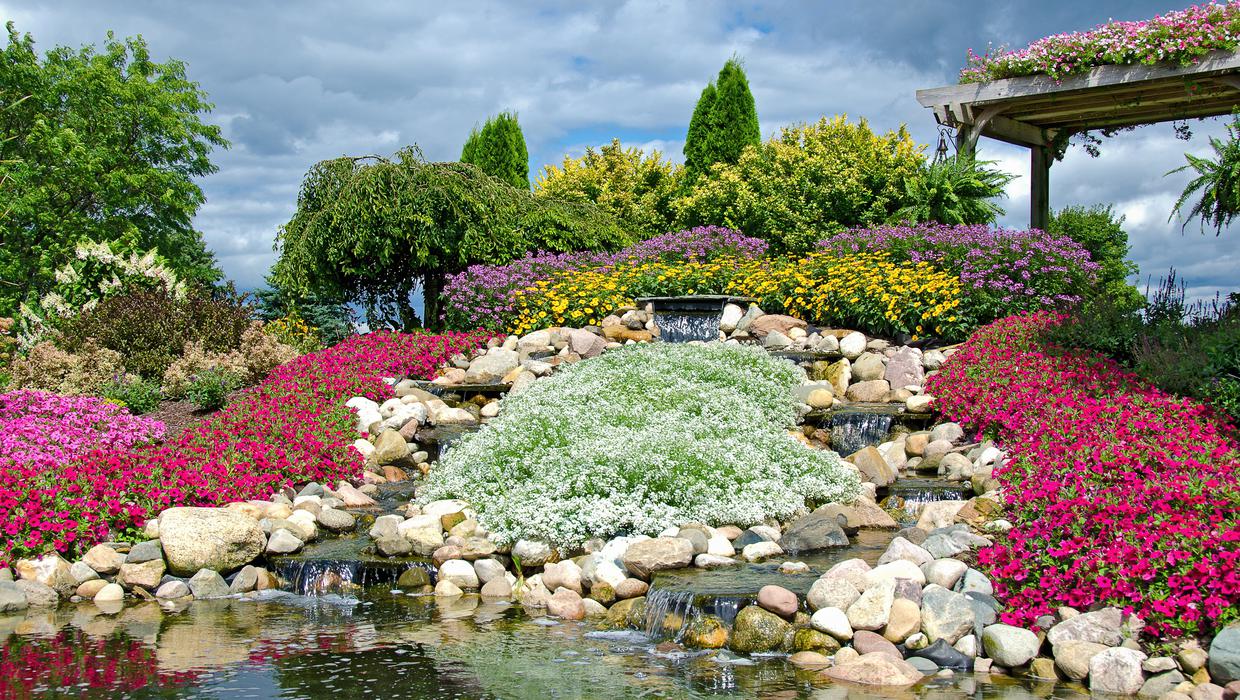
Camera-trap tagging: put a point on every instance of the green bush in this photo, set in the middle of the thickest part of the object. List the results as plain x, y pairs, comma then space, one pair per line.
642, 438
149, 328
138, 395
1100, 231
209, 390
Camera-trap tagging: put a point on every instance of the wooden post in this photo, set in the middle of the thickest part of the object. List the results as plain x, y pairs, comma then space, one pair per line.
1040, 187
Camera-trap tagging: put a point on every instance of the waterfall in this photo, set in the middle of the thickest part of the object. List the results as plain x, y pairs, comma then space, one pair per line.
669, 612
853, 430
325, 576
910, 495
683, 326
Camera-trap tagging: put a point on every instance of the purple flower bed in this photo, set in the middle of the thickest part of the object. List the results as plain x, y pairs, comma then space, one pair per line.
482, 296
1004, 271
40, 431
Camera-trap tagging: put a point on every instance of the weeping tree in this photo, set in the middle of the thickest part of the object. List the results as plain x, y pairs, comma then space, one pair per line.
371, 230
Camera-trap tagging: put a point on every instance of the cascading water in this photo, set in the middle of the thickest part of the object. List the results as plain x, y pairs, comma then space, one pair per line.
853, 430
911, 495
342, 576
669, 612
687, 318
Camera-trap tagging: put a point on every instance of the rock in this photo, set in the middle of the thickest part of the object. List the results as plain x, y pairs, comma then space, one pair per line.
756, 630
945, 656
1224, 659
868, 367
945, 572
919, 404
809, 659
759, 551
937, 514
145, 575
38, 595
943, 547
902, 549
945, 614
335, 520
103, 559
498, 587
872, 609
81, 572
809, 639
88, 589
866, 642
904, 368
761, 326
1161, 684
283, 542
875, 669
352, 497
564, 574
705, 632
862, 514
776, 340
658, 554
1158, 664
391, 448
951, 432
869, 392
12, 599
532, 553
832, 592
492, 367
778, 600
926, 666
50, 570
145, 551
208, 538
1209, 691
447, 589
1101, 626
1192, 658
903, 621
813, 532
172, 590
585, 343
566, 604
720, 546
631, 588
628, 612
460, 572
393, 546
488, 570
832, 621
208, 584
1116, 671
894, 570
1072, 658
852, 345
732, 315
853, 570
1010, 646
873, 466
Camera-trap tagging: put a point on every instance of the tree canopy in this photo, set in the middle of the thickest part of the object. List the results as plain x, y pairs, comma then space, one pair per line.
98, 146
498, 149
724, 122
372, 230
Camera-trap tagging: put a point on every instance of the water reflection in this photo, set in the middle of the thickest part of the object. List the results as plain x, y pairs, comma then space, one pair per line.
392, 646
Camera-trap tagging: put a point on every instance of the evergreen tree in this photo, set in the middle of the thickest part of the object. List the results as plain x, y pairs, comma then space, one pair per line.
498, 149
724, 122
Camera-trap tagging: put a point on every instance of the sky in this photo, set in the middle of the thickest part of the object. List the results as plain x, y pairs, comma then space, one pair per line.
296, 83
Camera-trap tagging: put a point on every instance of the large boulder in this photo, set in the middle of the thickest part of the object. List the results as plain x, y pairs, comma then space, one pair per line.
862, 514
813, 532
873, 466
869, 392
945, 614
492, 367
876, 668
208, 538
1224, 665
904, 368
1103, 626
1116, 671
767, 323
585, 343
1072, 658
757, 630
1009, 646
658, 554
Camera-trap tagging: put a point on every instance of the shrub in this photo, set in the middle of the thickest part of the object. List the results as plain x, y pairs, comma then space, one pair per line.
498, 149
486, 295
640, 439
635, 188
806, 182
290, 429
1119, 493
88, 371
958, 190
138, 395
1181, 37
1003, 271
149, 328
209, 390
293, 331
258, 354
1101, 232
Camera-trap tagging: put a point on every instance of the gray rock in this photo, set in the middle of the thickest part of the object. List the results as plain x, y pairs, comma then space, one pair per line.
904, 368
901, 548
945, 572
208, 538
942, 547
37, 594
658, 554
283, 542
926, 666
141, 552
1116, 671
945, 614
335, 520
245, 581
1010, 646
172, 590
1224, 663
532, 552
975, 581
872, 609
393, 546
1101, 626
491, 367
1159, 685
951, 432
832, 592
813, 532
208, 584
12, 599
81, 572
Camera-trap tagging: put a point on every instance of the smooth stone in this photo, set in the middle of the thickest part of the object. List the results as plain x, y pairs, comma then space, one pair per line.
757, 630
903, 621
1116, 671
832, 621
657, 554
1160, 684
208, 538
778, 600
103, 559
460, 573
488, 570
142, 552
832, 592
566, 604
631, 588
532, 553
926, 666
208, 584
875, 669
172, 590
873, 608
809, 659
760, 551
1072, 658
283, 542
1224, 659
813, 532
498, 587
945, 656
39, 595
81, 572
1101, 626
88, 589
866, 642
1010, 646
902, 549
945, 614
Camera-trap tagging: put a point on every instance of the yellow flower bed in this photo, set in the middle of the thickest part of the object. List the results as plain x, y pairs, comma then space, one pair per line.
866, 291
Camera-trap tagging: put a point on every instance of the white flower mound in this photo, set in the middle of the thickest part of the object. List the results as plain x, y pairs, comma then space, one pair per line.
641, 439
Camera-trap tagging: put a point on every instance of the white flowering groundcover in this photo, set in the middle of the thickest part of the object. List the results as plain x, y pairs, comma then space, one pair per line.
640, 439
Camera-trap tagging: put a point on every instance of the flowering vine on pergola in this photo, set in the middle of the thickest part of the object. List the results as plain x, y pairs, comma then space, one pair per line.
1180, 66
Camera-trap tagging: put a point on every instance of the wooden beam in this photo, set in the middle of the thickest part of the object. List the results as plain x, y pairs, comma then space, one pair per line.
1232, 81
1164, 113
1039, 187
1216, 62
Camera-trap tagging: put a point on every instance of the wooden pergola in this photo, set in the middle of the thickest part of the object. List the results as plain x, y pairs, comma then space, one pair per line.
1041, 114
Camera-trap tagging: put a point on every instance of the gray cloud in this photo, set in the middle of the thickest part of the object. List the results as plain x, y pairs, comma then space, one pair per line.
294, 84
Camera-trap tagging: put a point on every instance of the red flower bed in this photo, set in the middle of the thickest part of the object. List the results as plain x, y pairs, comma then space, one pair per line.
291, 429
1119, 494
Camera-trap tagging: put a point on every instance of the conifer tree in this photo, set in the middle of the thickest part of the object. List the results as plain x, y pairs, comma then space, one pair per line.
724, 121
498, 149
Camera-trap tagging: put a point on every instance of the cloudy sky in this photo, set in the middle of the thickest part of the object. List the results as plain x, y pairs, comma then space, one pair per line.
296, 83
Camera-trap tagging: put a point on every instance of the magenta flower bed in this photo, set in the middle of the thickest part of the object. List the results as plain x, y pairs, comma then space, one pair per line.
1181, 37
483, 295
1119, 494
1004, 271
291, 429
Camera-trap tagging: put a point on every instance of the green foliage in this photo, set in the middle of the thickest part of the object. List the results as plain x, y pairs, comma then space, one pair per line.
1217, 182
498, 149
956, 190
138, 395
370, 230
640, 439
724, 122
149, 328
635, 188
1101, 232
807, 182
333, 321
209, 389
103, 146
